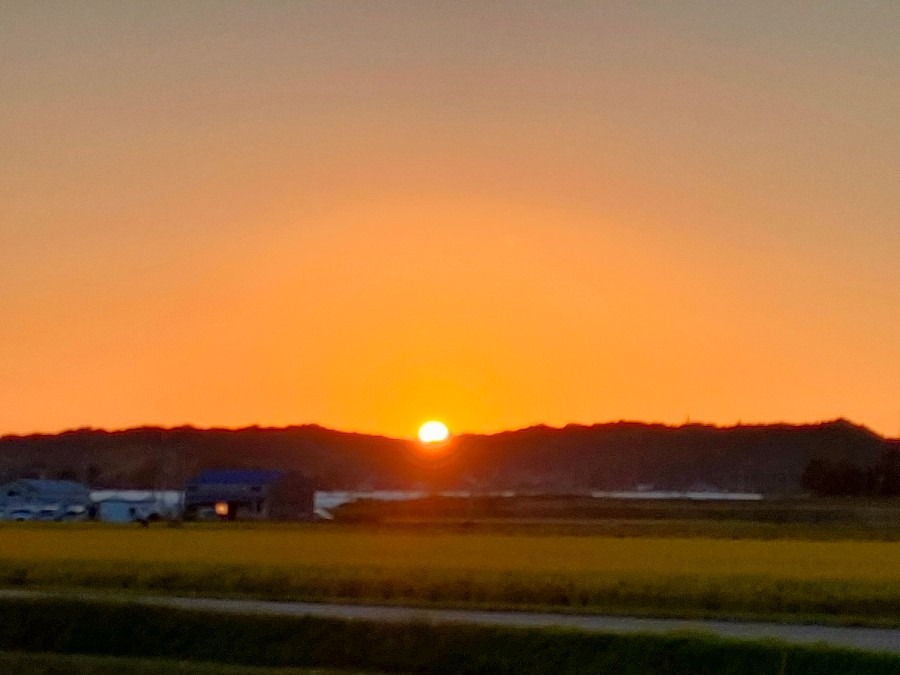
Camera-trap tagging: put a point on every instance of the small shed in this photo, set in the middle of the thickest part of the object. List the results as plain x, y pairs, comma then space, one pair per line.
115, 510
125, 506
249, 494
44, 498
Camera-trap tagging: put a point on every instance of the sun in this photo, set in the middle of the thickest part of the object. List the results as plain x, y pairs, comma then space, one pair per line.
433, 432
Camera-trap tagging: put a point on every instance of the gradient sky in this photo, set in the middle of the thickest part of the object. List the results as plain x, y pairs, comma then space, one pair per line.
367, 214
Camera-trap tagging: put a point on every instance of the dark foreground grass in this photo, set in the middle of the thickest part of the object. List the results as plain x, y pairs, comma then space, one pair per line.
21, 663
141, 632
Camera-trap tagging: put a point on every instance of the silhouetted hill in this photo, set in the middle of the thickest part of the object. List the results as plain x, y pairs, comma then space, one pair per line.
621, 455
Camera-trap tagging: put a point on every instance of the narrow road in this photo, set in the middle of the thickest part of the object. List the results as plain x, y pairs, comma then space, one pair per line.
870, 639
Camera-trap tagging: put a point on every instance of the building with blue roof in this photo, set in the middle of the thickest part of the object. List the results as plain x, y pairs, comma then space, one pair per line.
249, 494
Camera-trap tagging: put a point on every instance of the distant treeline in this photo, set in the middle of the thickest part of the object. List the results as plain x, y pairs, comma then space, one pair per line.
842, 478
616, 456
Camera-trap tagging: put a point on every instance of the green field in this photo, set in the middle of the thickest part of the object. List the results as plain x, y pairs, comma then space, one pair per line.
807, 519
825, 581
22, 663
136, 633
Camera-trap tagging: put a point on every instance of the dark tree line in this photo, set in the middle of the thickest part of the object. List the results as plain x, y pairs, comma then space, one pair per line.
843, 478
614, 456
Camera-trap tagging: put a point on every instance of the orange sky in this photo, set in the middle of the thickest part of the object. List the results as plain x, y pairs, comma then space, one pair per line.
365, 215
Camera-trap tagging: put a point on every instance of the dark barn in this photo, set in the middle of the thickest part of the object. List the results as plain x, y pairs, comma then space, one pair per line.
249, 494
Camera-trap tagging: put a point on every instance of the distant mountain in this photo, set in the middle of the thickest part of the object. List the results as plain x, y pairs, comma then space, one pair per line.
621, 455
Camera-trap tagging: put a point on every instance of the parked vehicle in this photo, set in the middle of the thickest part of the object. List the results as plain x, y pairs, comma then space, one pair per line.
48, 512
20, 514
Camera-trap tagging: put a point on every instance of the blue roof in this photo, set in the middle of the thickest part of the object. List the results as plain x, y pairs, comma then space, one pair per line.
236, 476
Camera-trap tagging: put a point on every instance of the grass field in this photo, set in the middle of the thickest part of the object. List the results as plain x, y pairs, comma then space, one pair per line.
648, 527
815, 519
826, 581
22, 663
141, 632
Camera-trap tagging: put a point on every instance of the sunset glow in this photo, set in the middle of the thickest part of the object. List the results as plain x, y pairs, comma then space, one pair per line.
358, 214
433, 432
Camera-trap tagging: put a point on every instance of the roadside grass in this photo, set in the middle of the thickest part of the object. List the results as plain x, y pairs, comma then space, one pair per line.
22, 663
825, 582
141, 632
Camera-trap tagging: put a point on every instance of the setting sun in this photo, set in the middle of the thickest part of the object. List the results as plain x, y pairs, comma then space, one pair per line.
433, 432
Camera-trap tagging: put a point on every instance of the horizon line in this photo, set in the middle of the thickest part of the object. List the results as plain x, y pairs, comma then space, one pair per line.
540, 425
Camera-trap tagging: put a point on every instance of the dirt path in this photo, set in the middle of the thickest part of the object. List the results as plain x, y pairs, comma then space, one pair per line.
871, 639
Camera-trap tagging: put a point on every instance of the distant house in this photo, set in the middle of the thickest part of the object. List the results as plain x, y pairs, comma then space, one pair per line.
118, 510
33, 499
249, 494
125, 506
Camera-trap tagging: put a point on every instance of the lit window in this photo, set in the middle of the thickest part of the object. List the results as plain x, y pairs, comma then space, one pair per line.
222, 509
